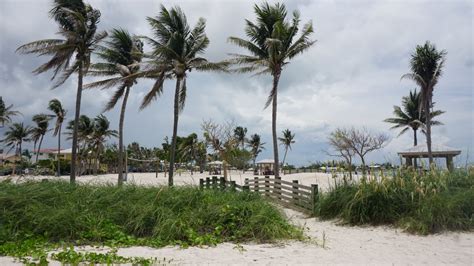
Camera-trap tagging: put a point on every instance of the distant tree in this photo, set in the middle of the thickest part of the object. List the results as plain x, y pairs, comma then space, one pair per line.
15, 135
6, 113
426, 69
221, 139
408, 116
256, 146
272, 43
99, 136
56, 107
38, 132
239, 133
362, 141
339, 142
287, 139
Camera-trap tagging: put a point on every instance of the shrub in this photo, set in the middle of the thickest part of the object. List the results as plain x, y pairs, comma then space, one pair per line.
423, 203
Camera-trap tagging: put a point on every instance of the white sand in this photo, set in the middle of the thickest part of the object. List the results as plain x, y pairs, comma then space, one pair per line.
330, 244
323, 180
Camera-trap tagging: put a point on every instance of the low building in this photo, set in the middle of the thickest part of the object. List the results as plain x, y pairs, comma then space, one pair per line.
265, 167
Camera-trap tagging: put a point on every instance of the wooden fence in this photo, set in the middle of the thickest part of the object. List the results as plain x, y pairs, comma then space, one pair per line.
290, 194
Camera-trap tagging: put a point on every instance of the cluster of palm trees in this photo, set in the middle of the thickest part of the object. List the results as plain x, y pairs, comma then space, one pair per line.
176, 50
417, 111
92, 133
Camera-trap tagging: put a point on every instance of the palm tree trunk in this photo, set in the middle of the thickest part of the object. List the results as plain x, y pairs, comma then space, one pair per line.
34, 149
39, 148
120, 154
59, 151
428, 130
350, 168
276, 165
284, 157
175, 131
415, 142
76, 122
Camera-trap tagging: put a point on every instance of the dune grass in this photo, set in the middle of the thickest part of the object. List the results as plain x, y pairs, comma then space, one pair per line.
56, 212
421, 203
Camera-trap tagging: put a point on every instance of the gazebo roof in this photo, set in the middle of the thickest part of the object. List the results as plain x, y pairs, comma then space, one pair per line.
215, 163
437, 150
266, 161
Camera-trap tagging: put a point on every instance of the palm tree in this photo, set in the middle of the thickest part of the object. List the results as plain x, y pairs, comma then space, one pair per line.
85, 128
426, 69
6, 113
189, 148
56, 107
239, 133
256, 146
121, 57
78, 29
38, 132
272, 44
99, 136
409, 117
287, 139
16, 134
176, 51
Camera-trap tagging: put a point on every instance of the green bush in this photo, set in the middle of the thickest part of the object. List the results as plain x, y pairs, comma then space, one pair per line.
421, 203
134, 215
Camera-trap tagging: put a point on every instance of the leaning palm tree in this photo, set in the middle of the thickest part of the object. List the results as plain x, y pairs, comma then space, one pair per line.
16, 134
256, 146
426, 69
121, 56
176, 51
6, 113
239, 133
72, 53
38, 132
272, 42
287, 139
408, 116
56, 107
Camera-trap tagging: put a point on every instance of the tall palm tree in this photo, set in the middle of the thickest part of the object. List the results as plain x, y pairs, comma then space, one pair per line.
408, 116
56, 107
426, 69
16, 134
256, 146
78, 29
287, 139
176, 51
272, 42
121, 56
239, 133
6, 113
100, 134
38, 132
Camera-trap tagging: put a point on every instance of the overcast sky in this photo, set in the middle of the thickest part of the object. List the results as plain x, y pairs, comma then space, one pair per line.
351, 77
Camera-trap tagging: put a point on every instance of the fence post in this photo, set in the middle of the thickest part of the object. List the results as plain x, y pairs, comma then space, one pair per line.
246, 188
267, 186
222, 184
314, 196
295, 193
246, 182
201, 183
208, 182
278, 187
214, 182
232, 185
255, 184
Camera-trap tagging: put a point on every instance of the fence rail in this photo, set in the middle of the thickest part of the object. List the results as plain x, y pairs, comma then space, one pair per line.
291, 194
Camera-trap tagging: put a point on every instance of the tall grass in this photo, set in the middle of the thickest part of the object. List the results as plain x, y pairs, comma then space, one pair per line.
423, 203
135, 215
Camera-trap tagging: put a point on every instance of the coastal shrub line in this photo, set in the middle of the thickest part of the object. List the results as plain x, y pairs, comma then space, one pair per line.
57, 213
423, 203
